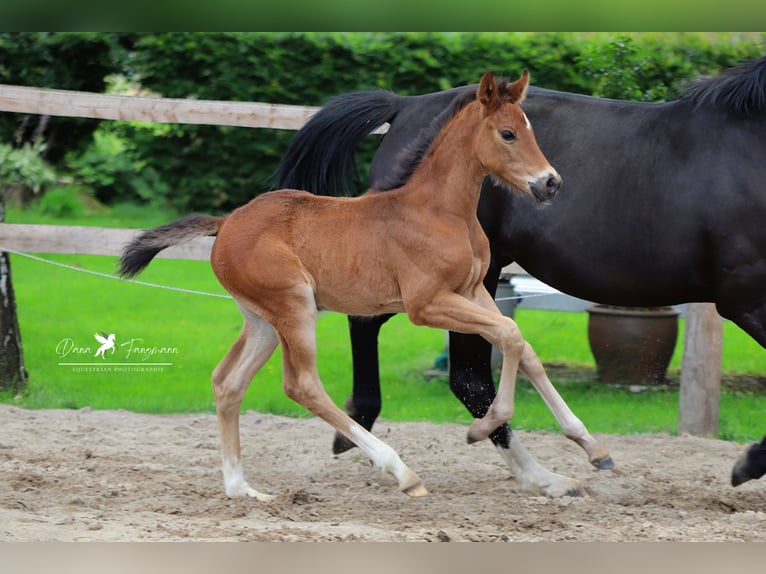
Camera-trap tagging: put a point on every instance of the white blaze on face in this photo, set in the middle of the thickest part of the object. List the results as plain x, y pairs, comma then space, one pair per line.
526, 120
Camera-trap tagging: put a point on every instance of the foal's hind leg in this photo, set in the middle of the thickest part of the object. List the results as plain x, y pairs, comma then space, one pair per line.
302, 384
231, 377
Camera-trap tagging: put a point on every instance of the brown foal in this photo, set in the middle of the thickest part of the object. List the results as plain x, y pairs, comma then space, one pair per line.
418, 249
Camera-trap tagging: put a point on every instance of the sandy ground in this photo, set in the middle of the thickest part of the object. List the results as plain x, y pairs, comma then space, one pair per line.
119, 476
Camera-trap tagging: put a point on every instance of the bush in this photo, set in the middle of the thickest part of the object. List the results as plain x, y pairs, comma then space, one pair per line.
61, 202
23, 170
113, 174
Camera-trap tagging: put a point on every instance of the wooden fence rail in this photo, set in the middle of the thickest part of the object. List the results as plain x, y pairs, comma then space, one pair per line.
80, 240
69, 103
700, 379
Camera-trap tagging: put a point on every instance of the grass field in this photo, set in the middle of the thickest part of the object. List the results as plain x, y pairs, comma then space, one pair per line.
61, 308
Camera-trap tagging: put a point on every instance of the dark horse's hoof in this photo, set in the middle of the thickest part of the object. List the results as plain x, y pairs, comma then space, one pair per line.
739, 473
341, 444
605, 463
751, 465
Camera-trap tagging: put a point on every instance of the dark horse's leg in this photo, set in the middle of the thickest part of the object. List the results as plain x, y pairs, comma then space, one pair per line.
364, 404
751, 465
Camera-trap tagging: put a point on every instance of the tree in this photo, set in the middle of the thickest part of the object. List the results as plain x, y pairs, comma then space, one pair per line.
19, 168
13, 375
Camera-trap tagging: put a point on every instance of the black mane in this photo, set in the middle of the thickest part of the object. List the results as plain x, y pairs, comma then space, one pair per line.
412, 154
741, 89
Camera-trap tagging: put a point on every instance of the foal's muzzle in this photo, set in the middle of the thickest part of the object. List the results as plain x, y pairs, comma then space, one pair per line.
546, 187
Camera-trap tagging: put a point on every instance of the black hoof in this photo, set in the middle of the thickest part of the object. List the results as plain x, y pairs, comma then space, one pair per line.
341, 444
740, 474
470, 439
605, 463
751, 465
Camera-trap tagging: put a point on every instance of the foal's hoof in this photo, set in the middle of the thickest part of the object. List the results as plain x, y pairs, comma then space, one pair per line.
474, 435
341, 444
605, 463
245, 490
562, 487
415, 490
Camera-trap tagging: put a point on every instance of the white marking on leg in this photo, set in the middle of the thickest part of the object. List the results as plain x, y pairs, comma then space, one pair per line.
382, 455
235, 484
385, 458
533, 476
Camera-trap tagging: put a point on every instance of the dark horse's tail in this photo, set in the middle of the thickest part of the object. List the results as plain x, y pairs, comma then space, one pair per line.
139, 252
320, 158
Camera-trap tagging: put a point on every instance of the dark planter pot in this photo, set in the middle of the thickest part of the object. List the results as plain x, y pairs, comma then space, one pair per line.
632, 345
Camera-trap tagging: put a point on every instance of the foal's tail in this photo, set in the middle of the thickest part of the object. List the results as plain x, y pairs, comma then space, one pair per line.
320, 158
139, 252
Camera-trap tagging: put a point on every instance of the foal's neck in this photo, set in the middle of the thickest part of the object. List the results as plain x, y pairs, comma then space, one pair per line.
450, 174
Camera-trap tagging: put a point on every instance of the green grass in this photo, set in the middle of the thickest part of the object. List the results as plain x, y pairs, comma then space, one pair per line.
56, 304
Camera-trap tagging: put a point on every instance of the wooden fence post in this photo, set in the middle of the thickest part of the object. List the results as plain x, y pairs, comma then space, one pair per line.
700, 393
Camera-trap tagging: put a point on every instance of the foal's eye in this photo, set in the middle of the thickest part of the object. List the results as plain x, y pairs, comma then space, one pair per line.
507, 135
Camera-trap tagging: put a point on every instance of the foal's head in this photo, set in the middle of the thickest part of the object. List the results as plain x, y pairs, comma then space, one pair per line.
505, 143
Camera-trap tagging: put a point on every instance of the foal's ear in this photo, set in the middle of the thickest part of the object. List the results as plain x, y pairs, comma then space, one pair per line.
487, 94
517, 91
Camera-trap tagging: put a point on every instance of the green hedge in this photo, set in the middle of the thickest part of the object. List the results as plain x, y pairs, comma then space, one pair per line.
215, 168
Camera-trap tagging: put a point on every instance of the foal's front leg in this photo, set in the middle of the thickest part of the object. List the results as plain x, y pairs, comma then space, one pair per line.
479, 316
573, 427
503, 403
232, 376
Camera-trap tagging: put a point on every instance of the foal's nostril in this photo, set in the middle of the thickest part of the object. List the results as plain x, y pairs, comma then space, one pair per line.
546, 187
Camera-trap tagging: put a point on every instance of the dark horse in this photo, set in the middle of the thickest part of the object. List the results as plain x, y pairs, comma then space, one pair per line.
661, 204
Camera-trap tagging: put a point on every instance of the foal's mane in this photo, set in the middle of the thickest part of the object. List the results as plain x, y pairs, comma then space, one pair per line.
741, 89
409, 158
